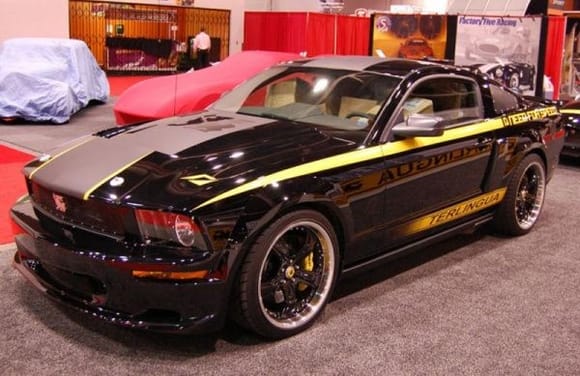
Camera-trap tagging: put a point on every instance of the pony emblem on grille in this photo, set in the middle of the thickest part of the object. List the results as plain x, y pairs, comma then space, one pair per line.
59, 203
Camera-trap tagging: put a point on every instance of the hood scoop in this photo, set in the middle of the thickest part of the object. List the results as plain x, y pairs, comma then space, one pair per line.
201, 119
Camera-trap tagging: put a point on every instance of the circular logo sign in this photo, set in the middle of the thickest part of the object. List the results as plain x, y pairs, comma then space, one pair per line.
383, 23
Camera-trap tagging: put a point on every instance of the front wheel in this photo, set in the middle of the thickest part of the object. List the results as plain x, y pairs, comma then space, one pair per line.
523, 202
289, 274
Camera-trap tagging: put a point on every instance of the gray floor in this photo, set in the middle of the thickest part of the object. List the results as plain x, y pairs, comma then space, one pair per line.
39, 138
476, 305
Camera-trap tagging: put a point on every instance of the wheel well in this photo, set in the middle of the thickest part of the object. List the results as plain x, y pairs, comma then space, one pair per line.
325, 210
540, 154
328, 213
535, 147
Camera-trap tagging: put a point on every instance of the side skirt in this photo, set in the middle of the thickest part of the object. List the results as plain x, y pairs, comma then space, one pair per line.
409, 248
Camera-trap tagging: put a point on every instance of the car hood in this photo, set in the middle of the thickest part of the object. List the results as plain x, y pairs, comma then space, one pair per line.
183, 162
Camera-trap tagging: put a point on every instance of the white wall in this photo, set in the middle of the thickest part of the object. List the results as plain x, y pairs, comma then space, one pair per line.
33, 18
296, 5
426, 6
256, 5
236, 19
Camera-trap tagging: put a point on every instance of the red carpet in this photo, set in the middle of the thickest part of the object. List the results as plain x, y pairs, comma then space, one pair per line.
11, 163
119, 84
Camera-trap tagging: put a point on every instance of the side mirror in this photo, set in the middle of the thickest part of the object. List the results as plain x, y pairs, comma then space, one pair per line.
419, 125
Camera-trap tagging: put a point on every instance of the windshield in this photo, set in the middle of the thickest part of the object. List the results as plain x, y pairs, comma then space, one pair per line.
331, 98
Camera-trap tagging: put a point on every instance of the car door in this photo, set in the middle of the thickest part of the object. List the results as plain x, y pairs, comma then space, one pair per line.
430, 180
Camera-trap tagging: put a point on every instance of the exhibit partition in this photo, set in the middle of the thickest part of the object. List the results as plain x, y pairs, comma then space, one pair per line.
509, 49
136, 37
311, 33
553, 61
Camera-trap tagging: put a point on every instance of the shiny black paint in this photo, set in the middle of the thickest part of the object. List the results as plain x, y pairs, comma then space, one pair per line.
363, 201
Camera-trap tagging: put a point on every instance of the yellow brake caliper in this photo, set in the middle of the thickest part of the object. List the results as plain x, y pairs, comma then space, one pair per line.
307, 265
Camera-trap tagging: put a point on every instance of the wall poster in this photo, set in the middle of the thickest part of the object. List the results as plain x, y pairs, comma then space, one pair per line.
412, 36
507, 48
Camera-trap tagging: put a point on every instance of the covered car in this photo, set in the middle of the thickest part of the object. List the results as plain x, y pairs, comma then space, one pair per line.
165, 96
48, 79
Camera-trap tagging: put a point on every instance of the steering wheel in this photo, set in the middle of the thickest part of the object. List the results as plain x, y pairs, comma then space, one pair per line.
359, 114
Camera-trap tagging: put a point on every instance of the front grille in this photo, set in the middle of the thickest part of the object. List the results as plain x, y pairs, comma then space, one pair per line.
90, 214
81, 285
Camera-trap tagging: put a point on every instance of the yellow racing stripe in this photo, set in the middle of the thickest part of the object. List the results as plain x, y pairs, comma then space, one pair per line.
358, 156
570, 111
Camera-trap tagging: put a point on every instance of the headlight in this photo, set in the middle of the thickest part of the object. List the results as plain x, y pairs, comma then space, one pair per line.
185, 230
177, 228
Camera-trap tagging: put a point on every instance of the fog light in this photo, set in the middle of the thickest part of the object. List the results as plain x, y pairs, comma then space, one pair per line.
151, 274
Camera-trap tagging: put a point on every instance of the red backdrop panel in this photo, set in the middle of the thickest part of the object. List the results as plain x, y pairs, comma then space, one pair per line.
554, 48
353, 36
320, 34
315, 33
276, 31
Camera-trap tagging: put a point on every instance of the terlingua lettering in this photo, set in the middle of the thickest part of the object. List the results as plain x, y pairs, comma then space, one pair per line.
465, 208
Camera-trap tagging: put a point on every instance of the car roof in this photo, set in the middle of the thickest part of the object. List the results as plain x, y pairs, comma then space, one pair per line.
392, 66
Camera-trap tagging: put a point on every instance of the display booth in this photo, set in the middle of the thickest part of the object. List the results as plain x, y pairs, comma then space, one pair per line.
411, 36
509, 49
139, 37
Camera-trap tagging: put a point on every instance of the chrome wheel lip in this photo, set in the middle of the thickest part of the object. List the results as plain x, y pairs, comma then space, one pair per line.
524, 198
320, 296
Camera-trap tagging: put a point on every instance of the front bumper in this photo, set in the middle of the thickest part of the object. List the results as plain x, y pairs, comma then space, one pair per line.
104, 287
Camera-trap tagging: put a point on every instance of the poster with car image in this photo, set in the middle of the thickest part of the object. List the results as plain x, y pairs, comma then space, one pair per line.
411, 36
506, 48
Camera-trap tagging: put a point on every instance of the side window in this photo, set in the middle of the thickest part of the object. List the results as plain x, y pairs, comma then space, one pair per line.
454, 101
503, 100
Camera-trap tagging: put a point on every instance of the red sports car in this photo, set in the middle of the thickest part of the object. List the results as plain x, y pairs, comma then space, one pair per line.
165, 96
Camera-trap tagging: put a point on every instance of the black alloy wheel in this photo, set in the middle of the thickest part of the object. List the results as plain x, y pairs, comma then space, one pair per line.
524, 199
289, 275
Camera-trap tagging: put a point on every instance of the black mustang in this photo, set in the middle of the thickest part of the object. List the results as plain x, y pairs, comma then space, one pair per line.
305, 173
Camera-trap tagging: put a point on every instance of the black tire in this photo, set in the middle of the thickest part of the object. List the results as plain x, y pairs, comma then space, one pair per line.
288, 275
521, 207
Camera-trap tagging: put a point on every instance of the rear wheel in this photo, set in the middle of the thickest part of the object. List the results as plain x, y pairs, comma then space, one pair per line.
523, 202
289, 275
